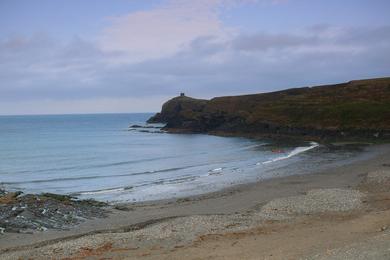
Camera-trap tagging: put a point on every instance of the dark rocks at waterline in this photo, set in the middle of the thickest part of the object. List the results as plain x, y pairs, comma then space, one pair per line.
146, 129
21, 213
153, 132
146, 126
136, 126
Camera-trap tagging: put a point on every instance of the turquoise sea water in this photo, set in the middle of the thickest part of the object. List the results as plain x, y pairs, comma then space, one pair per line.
96, 156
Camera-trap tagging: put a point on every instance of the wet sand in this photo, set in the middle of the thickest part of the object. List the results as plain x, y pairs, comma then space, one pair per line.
237, 230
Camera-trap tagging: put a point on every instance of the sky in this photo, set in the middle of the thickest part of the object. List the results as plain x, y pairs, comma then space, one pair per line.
100, 56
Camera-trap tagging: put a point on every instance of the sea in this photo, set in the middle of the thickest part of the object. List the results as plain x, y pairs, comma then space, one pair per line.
102, 157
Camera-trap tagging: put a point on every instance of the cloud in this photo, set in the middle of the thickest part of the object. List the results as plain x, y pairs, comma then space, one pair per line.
164, 30
207, 66
180, 47
265, 41
168, 28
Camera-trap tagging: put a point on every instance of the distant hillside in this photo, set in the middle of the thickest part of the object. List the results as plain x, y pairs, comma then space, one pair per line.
359, 108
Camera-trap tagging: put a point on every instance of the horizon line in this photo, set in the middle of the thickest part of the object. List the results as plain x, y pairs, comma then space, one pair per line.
80, 114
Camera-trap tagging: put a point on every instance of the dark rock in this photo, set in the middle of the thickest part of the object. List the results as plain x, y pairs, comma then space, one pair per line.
25, 213
123, 207
151, 131
136, 126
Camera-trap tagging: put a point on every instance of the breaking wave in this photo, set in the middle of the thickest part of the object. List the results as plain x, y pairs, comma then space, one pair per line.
294, 152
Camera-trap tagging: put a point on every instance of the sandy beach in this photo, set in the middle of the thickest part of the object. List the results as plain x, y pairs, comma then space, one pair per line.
339, 213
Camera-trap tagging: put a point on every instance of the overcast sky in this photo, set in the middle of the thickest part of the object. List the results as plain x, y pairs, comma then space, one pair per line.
91, 56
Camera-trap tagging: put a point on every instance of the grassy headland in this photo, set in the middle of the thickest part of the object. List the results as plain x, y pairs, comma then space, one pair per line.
356, 109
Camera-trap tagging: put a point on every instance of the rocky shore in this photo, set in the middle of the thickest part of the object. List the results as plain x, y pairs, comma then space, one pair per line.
26, 213
155, 129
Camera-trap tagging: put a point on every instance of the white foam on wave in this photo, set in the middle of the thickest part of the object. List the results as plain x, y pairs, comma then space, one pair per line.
102, 191
215, 171
294, 152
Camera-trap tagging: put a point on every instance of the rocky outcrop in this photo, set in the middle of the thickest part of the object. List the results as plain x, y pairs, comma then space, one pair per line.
21, 213
358, 108
181, 113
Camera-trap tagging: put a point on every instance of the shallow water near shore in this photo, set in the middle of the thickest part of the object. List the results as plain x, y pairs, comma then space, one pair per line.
100, 157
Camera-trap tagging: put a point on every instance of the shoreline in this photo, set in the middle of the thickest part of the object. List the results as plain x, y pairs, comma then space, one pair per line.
366, 150
297, 147
370, 151
323, 138
242, 198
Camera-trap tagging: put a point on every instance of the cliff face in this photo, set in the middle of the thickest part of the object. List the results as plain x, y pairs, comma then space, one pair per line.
357, 108
181, 112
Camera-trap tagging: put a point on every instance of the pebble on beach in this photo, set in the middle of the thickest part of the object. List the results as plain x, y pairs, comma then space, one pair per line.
314, 202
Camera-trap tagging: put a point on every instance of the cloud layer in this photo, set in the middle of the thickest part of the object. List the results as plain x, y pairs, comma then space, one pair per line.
181, 46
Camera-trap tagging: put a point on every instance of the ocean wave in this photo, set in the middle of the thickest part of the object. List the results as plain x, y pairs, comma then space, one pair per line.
253, 147
215, 171
294, 152
102, 191
175, 180
128, 188
102, 177
95, 166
